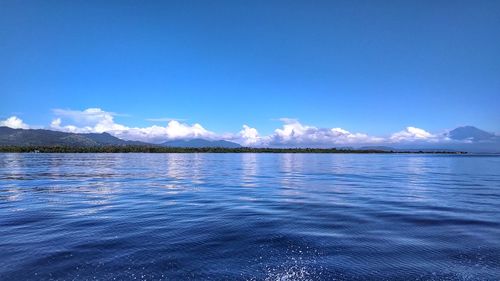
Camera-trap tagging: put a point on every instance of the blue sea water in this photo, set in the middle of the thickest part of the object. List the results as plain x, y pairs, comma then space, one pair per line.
249, 217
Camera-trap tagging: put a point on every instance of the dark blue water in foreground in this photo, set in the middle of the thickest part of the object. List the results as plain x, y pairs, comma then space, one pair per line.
249, 217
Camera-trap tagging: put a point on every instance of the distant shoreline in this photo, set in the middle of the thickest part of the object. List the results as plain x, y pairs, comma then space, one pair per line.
156, 149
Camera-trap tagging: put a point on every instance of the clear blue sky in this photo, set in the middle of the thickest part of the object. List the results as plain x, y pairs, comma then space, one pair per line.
367, 66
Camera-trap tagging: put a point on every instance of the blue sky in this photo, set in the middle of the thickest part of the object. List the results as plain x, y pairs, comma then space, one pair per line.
374, 67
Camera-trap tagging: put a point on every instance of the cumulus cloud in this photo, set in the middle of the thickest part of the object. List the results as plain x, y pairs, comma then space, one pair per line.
96, 120
296, 134
173, 130
249, 136
14, 122
413, 134
91, 120
292, 133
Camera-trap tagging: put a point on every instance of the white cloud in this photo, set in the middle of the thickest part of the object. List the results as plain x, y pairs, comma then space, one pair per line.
14, 122
85, 117
412, 134
294, 133
173, 130
249, 136
56, 123
91, 120
96, 120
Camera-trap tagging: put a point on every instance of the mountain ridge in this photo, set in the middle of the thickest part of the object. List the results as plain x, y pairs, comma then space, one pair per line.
471, 133
43, 137
466, 138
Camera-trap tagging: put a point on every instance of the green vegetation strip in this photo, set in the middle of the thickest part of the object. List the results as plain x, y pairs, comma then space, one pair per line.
157, 149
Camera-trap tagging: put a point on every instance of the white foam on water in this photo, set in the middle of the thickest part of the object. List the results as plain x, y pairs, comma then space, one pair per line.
297, 264
289, 274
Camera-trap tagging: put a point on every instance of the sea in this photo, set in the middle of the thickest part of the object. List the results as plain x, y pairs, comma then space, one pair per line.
244, 216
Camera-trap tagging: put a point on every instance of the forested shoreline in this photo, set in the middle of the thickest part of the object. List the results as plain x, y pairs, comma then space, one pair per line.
159, 149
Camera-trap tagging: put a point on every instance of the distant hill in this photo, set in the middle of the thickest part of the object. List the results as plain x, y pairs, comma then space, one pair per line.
40, 137
471, 133
201, 143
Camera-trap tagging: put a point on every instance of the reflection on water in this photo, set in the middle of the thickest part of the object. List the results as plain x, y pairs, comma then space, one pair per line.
249, 169
181, 168
249, 217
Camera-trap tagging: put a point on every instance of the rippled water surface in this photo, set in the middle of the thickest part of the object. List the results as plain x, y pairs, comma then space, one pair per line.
249, 217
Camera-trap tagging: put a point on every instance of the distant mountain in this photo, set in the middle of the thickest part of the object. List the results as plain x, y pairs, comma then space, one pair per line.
467, 138
200, 143
471, 133
40, 137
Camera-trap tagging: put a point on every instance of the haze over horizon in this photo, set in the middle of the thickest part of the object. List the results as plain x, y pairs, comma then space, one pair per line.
260, 72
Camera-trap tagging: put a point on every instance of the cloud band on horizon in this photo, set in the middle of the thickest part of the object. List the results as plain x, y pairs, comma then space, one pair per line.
291, 134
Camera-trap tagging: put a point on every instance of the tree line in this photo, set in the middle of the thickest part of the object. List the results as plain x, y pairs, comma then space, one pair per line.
159, 149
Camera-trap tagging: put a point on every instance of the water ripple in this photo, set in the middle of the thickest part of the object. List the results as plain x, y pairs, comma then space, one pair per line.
249, 217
